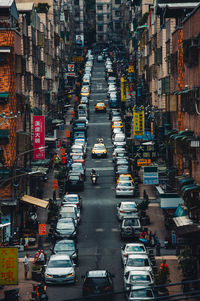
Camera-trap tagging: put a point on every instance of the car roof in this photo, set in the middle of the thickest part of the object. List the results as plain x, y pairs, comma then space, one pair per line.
128, 202
64, 241
60, 257
97, 273
139, 272
135, 244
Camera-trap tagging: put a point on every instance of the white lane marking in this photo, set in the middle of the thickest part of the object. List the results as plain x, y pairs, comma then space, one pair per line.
98, 78
115, 230
99, 230
99, 123
101, 168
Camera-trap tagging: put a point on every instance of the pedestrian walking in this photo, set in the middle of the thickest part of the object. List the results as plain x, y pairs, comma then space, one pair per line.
26, 265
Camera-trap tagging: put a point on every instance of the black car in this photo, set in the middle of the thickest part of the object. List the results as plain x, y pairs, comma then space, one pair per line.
98, 283
66, 246
74, 182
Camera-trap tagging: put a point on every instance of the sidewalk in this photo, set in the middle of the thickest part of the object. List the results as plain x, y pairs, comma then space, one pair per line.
26, 286
157, 226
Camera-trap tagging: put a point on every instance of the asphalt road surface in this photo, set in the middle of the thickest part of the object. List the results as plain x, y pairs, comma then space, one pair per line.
99, 242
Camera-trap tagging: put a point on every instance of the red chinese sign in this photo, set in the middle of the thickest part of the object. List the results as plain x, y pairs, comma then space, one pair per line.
8, 266
39, 138
54, 184
42, 229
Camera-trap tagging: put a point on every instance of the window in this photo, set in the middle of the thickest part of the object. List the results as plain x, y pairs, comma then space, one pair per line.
100, 17
117, 13
100, 37
108, 5
108, 16
118, 26
76, 2
100, 7
117, 1
100, 27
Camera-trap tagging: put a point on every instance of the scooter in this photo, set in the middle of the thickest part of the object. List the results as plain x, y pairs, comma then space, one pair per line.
94, 179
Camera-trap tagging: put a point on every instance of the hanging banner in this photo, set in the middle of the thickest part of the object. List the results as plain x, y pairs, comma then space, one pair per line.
138, 121
39, 137
123, 90
8, 266
42, 229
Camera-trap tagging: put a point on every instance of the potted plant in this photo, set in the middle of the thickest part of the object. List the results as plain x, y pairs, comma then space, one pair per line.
162, 278
36, 274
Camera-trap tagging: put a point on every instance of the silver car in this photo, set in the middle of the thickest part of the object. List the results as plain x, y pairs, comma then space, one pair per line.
132, 248
126, 209
140, 293
60, 269
137, 278
140, 262
125, 188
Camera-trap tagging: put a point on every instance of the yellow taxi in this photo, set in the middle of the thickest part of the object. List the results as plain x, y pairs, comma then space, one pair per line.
85, 91
125, 177
100, 107
117, 124
99, 150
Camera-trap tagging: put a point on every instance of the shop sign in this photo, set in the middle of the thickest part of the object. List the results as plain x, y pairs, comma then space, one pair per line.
39, 137
77, 59
144, 151
138, 121
70, 73
42, 229
67, 134
70, 67
143, 162
150, 175
62, 151
55, 184
8, 266
123, 90
130, 69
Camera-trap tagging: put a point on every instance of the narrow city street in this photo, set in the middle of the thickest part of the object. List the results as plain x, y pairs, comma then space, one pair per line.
98, 239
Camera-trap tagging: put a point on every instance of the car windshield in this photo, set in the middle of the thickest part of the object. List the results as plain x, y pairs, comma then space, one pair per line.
141, 293
70, 198
122, 167
64, 246
119, 139
65, 226
59, 264
128, 206
68, 214
100, 104
125, 184
142, 278
137, 262
73, 178
99, 147
97, 281
132, 222
78, 157
130, 248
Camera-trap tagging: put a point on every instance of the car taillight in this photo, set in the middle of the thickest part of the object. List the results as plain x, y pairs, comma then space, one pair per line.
107, 288
130, 189
118, 189
87, 289
121, 211
125, 255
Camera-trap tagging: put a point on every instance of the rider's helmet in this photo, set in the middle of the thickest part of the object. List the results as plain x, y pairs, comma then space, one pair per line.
93, 170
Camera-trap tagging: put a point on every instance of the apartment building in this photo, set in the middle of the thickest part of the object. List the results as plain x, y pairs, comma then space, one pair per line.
79, 16
103, 20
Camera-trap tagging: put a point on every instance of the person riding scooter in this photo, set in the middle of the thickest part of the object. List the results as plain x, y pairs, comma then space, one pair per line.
93, 176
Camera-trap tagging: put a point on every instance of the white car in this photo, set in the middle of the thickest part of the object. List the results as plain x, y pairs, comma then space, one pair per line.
140, 262
60, 269
138, 278
119, 140
125, 188
126, 209
132, 248
140, 293
100, 58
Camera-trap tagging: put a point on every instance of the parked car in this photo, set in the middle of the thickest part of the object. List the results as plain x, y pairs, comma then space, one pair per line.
138, 262
140, 293
126, 209
70, 198
66, 246
99, 150
74, 182
138, 278
98, 282
133, 223
69, 212
65, 230
132, 248
60, 269
125, 188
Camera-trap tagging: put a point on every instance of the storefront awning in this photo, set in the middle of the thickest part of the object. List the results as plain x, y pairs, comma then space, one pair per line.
190, 188
40, 162
35, 201
182, 221
186, 181
170, 203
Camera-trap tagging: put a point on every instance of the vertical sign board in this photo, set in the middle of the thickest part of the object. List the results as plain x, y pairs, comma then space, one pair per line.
39, 137
123, 95
138, 121
150, 175
42, 229
8, 266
